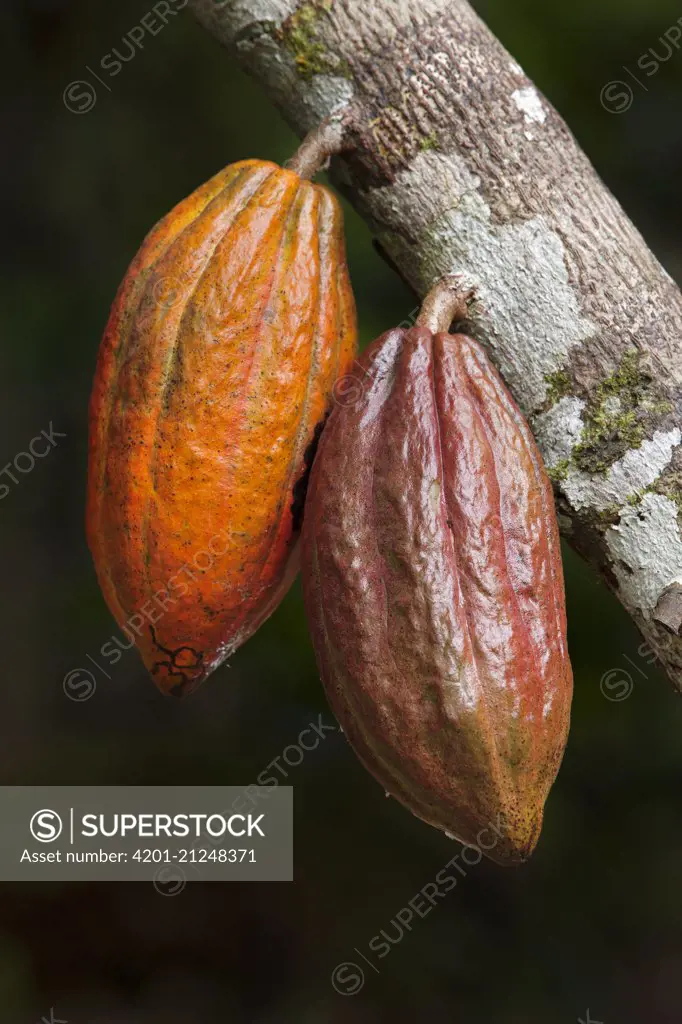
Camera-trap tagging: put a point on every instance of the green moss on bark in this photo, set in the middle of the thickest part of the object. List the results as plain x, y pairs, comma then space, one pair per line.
619, 416
669, 484
429, 142
559, 384
559, 471
299, 35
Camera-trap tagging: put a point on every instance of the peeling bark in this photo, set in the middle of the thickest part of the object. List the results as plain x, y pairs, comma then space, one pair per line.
461, 166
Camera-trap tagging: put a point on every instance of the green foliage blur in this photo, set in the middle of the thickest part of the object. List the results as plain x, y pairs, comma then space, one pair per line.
593, 921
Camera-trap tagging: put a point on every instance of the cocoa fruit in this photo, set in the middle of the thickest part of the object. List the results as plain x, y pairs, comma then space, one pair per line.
433, 586
215, 372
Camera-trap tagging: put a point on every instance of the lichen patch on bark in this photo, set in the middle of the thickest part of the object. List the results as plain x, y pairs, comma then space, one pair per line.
647, 551
532, 314
529, 103
559, 430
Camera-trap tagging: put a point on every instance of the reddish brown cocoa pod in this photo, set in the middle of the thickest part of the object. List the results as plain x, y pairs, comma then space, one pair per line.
434, 590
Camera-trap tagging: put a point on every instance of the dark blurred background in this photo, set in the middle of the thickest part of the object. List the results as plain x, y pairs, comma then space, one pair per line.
594, 921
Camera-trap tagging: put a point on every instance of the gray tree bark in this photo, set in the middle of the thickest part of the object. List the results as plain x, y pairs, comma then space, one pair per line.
460, 166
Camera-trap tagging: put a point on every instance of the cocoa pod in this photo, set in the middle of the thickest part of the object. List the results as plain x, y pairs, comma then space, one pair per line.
215, 371
433, 586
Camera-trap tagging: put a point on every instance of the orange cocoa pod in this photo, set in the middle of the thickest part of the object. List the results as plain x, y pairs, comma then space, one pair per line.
214, 376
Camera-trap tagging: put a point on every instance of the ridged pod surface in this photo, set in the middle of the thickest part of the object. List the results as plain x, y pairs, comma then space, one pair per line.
214, 376
434, 590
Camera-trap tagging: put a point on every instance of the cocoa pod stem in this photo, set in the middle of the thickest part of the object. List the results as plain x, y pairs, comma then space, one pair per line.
446, 302
328, 138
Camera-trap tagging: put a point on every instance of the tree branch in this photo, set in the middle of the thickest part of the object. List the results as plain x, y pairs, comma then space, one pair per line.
461, 167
